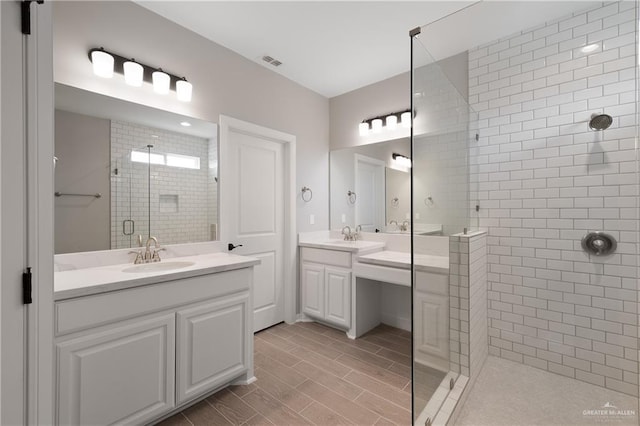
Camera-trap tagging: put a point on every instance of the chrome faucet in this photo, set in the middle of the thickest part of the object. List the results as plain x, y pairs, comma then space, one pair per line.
348, 236
357, 232
139, 257
405, 225
148, 256
393, 222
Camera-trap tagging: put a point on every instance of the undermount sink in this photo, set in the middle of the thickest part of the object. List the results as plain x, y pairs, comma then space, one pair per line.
158, 267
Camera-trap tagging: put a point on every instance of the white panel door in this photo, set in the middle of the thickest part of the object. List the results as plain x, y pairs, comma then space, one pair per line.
338, 296
122, 375
312, 284
255, 188
211, 345
370, 188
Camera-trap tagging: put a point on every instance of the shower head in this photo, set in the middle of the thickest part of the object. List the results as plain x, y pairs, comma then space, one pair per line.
600, 121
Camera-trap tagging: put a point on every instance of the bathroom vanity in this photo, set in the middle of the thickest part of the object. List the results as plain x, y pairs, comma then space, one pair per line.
341, 285
325, 278
135, 343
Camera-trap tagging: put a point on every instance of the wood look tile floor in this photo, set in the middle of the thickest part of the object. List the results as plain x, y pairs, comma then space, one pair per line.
311, 374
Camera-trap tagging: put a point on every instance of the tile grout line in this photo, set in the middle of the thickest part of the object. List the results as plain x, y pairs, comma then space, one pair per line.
219, 412
186, 417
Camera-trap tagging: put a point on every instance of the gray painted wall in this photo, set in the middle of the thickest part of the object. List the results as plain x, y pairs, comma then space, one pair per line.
386, 96
224, 83
82, 148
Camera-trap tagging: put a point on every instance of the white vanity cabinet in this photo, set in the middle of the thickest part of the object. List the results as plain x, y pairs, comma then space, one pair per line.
120, 374
431, 319
132, 356
211, 347
325, 279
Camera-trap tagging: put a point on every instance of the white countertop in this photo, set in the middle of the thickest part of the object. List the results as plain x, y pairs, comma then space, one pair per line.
402, 260
341, 245
83, 282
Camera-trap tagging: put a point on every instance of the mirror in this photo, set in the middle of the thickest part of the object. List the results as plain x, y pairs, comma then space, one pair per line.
371, 187
125, 170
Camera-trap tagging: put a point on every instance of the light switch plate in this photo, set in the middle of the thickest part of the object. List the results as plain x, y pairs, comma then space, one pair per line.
312, 219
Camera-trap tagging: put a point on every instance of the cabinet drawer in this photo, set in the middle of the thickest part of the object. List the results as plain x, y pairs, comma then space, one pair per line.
92, 311
327, 257
432, 283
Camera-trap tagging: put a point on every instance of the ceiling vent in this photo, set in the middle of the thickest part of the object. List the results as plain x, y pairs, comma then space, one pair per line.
268, 59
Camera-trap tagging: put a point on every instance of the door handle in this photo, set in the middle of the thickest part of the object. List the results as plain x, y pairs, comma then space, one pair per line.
230, 246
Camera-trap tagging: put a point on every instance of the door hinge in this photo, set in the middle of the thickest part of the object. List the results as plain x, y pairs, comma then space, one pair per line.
27, 297
26, 15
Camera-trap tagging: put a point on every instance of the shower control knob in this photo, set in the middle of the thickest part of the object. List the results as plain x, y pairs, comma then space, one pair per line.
599, 243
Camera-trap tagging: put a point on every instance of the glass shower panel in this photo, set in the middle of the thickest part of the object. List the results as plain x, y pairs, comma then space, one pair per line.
129, 199
546, 316
442, 127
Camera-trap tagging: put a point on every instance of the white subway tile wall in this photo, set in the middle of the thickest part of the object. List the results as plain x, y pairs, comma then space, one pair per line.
440, 166
468, 303
183, 201
543, 179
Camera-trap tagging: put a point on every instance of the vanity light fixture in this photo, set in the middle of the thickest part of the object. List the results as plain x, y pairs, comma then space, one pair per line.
161, 81
376, 125
106, 63
401, 160
386, 121
102, 63
133, 73
391, 122
405, 119
184, 90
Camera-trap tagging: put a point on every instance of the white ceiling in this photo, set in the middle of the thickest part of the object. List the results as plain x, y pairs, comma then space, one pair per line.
333, 47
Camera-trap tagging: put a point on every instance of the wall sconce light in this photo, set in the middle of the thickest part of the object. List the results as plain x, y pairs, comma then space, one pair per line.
401, 160
387, 121
106, 63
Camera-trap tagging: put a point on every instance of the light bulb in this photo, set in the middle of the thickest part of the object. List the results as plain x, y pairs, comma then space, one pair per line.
376, 125
363, 128
184, 90
391, 122
405, 119
133, 73
102, 63
161, 82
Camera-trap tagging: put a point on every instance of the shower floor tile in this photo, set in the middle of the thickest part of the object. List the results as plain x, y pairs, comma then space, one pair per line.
508, 393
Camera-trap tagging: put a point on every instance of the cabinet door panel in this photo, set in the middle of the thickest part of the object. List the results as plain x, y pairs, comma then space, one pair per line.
313, 289
212, 345
338, 296
432, 328
124, 374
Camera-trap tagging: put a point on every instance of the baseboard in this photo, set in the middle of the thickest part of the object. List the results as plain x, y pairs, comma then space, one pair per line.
244, 382
395, 321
